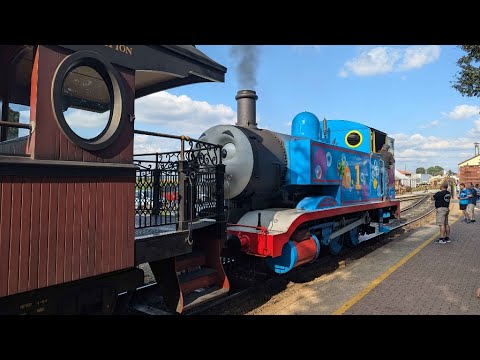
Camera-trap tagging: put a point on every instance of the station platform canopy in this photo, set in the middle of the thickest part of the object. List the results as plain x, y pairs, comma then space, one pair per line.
160, 67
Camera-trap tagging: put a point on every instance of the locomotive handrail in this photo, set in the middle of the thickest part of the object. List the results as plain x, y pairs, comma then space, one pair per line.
263, 229
384, 177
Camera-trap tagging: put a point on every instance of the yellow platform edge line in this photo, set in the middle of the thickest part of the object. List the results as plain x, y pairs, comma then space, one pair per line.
352, 301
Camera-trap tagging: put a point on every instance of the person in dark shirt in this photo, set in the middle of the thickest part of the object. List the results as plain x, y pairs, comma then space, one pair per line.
442, 205
387, 156
388, 160
473, 201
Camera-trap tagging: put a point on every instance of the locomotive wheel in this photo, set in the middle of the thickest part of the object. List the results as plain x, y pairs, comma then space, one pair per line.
336, 245
352, 238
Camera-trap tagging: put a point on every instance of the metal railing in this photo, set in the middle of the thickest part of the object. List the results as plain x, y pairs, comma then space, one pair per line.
179, 187
15, 125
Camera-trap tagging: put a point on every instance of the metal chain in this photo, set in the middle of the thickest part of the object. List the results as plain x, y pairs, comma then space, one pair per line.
191, 176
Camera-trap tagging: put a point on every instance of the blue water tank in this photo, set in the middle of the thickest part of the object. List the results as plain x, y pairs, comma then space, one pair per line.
306, 125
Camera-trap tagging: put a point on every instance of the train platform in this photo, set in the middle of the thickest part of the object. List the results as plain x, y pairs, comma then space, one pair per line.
410, 275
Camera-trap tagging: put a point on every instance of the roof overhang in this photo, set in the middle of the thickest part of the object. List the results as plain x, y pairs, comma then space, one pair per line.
160, 67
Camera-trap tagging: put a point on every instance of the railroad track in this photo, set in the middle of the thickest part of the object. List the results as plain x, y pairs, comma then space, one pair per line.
411, 215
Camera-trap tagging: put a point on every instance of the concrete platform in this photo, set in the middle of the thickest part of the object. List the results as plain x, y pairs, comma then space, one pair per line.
409, 275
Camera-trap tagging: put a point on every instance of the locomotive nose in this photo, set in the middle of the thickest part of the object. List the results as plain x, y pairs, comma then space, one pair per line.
237, 156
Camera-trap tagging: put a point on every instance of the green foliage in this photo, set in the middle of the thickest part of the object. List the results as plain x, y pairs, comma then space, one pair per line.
468, 79
435, 170
420, 170
13, 116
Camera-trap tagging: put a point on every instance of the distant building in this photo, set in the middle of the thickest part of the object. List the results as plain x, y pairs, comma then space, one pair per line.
469, 170
404, 178
421, 179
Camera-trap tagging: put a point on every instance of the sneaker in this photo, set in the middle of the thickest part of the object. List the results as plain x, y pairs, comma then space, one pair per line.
440, 241
447, 239
472, 221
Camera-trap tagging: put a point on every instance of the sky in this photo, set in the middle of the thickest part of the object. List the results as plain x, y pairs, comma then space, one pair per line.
402, 90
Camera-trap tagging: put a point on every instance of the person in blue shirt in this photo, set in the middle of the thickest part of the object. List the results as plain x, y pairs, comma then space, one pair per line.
464, 200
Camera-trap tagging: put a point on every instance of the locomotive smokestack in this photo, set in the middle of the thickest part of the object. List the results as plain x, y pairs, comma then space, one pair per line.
246, 108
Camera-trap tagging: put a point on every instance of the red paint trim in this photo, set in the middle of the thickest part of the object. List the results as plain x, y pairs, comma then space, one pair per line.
266, 244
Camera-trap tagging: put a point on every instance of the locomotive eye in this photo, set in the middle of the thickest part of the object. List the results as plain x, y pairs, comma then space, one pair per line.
228, 151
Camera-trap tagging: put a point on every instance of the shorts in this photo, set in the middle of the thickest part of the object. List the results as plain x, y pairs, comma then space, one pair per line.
470, 208
463, 206
442, 216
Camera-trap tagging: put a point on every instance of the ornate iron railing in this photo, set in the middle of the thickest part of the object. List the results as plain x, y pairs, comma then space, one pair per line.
178, 187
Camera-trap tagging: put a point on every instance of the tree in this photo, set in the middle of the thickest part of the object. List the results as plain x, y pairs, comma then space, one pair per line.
420, 170
13, 116
468, 79
435, 170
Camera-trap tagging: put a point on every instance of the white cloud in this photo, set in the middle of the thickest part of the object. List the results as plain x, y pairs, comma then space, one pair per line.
464, 112
430, 124
76, 118
418, 141
144, 144
181, 113
417, 149
383, 59
176, 115
416, 56
378, 60
476, 130
412, 153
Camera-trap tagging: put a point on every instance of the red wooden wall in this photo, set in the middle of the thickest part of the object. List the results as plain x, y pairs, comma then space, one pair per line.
54, 230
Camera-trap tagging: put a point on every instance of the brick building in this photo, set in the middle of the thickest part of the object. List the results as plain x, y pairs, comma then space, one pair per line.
469, 170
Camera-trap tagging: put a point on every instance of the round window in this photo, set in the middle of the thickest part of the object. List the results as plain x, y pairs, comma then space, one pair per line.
353, 139
89, 101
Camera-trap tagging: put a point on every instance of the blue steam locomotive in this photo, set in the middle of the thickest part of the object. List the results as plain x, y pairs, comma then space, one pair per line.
289, 195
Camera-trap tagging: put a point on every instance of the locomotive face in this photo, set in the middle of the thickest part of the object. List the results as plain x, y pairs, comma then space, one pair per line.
237, 155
